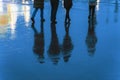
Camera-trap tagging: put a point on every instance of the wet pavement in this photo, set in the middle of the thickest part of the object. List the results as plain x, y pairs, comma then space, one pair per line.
58, 51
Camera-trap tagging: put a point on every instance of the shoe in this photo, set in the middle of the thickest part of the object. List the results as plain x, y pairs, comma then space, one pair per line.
32, 19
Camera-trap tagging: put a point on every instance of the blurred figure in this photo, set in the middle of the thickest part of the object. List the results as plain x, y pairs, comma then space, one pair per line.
54, 8
67, 46
91, 38
38, 47
67, 5
92, 5
38, 4
54, 48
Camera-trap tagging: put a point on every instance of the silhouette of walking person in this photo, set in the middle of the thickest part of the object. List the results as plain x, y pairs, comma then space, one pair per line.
67, 46
54, 8
54, 48
38, 4
92, 5
38, 47
67, 5
91, 38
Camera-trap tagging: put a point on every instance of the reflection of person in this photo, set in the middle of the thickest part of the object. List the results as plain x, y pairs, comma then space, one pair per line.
54, 48
91, 38
67, 44
54, 8
92, 5
38, 47
67, 5
38, 4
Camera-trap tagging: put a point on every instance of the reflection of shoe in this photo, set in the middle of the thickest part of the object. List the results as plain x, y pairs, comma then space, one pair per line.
42, 20
32, 19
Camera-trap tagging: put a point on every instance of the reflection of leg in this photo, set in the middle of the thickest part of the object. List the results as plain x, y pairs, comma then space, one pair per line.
34, 29
93, 11
66, 17
42, 12
33, 15
68, 11
53, 14
89, 11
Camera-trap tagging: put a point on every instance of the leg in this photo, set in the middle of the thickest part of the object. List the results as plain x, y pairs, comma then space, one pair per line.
42, 12
89, 11
54, 8
93, 11
67, 17
33, 15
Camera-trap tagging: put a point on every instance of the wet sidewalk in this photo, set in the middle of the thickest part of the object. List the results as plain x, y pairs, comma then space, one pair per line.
66, 52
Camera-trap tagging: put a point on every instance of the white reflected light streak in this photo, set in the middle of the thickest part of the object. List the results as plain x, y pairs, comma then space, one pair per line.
26, 13
1, 7
98, 3
12, 8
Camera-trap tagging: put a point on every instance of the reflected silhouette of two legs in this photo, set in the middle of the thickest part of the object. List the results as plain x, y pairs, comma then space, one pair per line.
38, 47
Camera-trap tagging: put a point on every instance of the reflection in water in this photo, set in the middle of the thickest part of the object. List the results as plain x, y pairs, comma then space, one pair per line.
67, 5
67, 46
98, 5
92, 5
54, 48
13, 16
91, 38
4, 20
3, 24
107, 17
38, 47
9, 16
26, 14
116, 11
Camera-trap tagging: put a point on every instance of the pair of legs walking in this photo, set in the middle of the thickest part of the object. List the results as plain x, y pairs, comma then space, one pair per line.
34, 14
